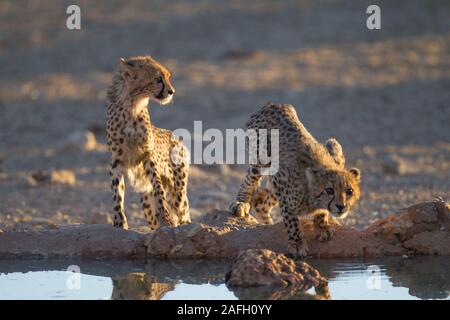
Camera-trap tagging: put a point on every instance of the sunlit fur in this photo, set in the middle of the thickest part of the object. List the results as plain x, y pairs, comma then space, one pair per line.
142, 151
311, 181
345, 186
141, 77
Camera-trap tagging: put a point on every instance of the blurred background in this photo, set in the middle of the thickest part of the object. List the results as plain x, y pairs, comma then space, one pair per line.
384, 94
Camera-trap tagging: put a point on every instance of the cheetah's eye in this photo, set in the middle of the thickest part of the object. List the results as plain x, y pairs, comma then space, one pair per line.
330, 191
349, 192
159, 79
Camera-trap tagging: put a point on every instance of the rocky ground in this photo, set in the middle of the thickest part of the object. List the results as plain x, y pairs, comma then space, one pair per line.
422, 229
383, 94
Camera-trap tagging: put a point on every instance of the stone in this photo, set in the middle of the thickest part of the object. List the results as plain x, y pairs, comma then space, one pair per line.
91, 241
429, 243
100, 218
262, 267
52, 177
394, 165
81, 140
274, 275
423, 228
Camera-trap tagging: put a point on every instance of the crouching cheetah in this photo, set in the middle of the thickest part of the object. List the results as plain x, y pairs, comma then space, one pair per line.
155, 161
311, 180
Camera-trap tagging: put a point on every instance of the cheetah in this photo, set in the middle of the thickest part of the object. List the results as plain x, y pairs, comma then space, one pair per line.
154, 160
311, 181
139, 286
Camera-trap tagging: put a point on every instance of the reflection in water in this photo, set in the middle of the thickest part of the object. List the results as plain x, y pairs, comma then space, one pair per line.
322, 292
139, 286
153, 284
424, 277
142, 286
161, 276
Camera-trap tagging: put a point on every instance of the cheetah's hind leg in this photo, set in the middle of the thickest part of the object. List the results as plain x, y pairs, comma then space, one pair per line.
149, 208
179, 201
178, 194
263, 202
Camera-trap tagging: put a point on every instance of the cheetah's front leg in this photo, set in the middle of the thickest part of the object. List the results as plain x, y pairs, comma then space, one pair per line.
297, 246
118, 190
285, 189
241, 207
321, 223
161, 211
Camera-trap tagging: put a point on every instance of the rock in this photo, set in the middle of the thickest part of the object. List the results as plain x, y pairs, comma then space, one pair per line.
218, 218
100, 218
91, 241
369, 151
429, 243
81, 140
262, 267
282, 276
423, 228
192, 240
423, 213
394, 165
63, 177
52, 177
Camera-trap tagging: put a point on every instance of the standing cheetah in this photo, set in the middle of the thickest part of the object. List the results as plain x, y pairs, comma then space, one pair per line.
155, 161
311, 180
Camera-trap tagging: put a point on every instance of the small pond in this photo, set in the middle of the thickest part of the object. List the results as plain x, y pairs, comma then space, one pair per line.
388, 278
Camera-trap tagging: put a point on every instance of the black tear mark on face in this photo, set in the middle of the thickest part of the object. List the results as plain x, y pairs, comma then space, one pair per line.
329, 203
161, 93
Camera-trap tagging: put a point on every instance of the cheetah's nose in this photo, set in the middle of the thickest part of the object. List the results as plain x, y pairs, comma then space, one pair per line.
340, 207
171, 92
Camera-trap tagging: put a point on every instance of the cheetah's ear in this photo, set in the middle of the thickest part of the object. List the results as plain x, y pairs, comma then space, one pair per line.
126, 67
356, 173
124, 63
335, 150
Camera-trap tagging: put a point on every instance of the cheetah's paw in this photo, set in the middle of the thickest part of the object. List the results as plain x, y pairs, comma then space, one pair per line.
325, 234
166, 220
240, 209
297, 250
121, 225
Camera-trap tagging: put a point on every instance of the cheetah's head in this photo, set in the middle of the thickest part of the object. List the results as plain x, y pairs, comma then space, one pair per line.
334, 190
145, 77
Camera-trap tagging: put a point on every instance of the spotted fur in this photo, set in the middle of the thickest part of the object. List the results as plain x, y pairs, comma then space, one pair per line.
311, 180
154, 160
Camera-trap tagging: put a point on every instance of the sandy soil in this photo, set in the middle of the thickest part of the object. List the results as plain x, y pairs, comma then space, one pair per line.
383, 94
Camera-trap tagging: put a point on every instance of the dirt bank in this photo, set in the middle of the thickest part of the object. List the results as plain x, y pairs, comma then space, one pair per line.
422, 229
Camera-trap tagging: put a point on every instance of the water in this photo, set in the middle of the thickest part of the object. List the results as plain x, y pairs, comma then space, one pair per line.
389, 278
